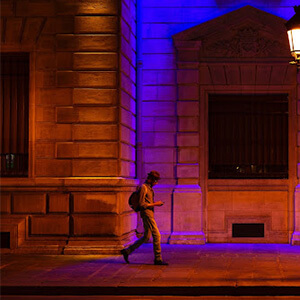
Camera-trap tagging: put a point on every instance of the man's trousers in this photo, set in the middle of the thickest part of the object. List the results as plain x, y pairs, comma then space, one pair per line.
150, 227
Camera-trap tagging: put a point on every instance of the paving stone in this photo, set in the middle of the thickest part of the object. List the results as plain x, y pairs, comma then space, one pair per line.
209, 266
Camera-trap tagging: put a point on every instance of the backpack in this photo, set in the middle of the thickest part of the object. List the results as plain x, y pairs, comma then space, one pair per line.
133, 200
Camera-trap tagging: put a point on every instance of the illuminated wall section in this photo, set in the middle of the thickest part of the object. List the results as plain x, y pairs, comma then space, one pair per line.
170, 110
161, 20
127, 58
82, 162
87, 60
82, 126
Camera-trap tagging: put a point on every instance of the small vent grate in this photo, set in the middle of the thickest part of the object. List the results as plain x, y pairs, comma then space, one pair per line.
248, 230
5, 240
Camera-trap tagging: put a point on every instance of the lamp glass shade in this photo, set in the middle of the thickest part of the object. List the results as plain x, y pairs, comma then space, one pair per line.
294, 40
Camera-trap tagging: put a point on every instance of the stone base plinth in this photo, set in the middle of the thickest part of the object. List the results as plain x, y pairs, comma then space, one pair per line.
41, 248
296, 239
89, 245
187, 238
74, 245
187, 216
68, 215
15, 226
165, 237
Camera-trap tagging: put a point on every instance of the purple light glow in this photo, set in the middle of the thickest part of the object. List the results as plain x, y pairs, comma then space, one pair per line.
169, 133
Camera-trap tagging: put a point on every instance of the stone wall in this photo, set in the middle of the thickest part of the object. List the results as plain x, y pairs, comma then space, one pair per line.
173, 127
162, 116
82, 125
174, 107
82, 131
246, 71
127, 90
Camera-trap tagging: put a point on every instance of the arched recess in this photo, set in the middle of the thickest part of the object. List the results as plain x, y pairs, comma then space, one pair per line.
244, 52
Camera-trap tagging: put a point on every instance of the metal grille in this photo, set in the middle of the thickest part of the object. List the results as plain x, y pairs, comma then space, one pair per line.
248, 136
248, 230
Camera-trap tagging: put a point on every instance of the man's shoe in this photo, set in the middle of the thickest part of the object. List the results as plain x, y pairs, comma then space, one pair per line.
160, 263
125, 255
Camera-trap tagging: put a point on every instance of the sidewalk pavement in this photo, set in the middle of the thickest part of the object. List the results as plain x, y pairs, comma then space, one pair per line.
193, 270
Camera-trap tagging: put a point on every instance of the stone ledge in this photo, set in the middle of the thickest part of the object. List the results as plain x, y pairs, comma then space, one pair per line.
187, 238
67, 182
187, 188
165, 237
52, 246
295, 241
88, 245
222, 288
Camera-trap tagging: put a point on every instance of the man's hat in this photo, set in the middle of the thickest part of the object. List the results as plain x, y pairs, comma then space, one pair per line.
154, 174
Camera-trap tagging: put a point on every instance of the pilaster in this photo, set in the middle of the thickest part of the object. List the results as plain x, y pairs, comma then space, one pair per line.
187, 216
296, 234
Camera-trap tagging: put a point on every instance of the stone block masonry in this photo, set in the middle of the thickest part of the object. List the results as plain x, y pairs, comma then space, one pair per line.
90, 61
96, 209
82, 123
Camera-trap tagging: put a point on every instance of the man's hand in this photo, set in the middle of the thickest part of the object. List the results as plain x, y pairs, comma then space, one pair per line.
158, 203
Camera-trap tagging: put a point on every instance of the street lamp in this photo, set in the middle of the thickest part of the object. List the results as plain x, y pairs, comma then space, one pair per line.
293, 31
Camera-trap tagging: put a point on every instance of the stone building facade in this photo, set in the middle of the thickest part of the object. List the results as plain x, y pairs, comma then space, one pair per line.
118, 88
81, 126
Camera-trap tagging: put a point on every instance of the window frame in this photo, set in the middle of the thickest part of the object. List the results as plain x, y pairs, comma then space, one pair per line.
17, 124
31, 111
252, 101
236, 184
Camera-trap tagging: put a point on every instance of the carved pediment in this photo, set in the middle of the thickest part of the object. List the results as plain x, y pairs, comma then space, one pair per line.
247, 42
244, 33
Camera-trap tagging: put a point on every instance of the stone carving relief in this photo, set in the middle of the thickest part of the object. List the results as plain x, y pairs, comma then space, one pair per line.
247, 42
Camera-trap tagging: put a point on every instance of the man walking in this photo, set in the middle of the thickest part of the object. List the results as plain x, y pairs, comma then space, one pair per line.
146, 203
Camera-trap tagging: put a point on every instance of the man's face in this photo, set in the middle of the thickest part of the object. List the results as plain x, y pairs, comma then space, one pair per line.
154, 181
